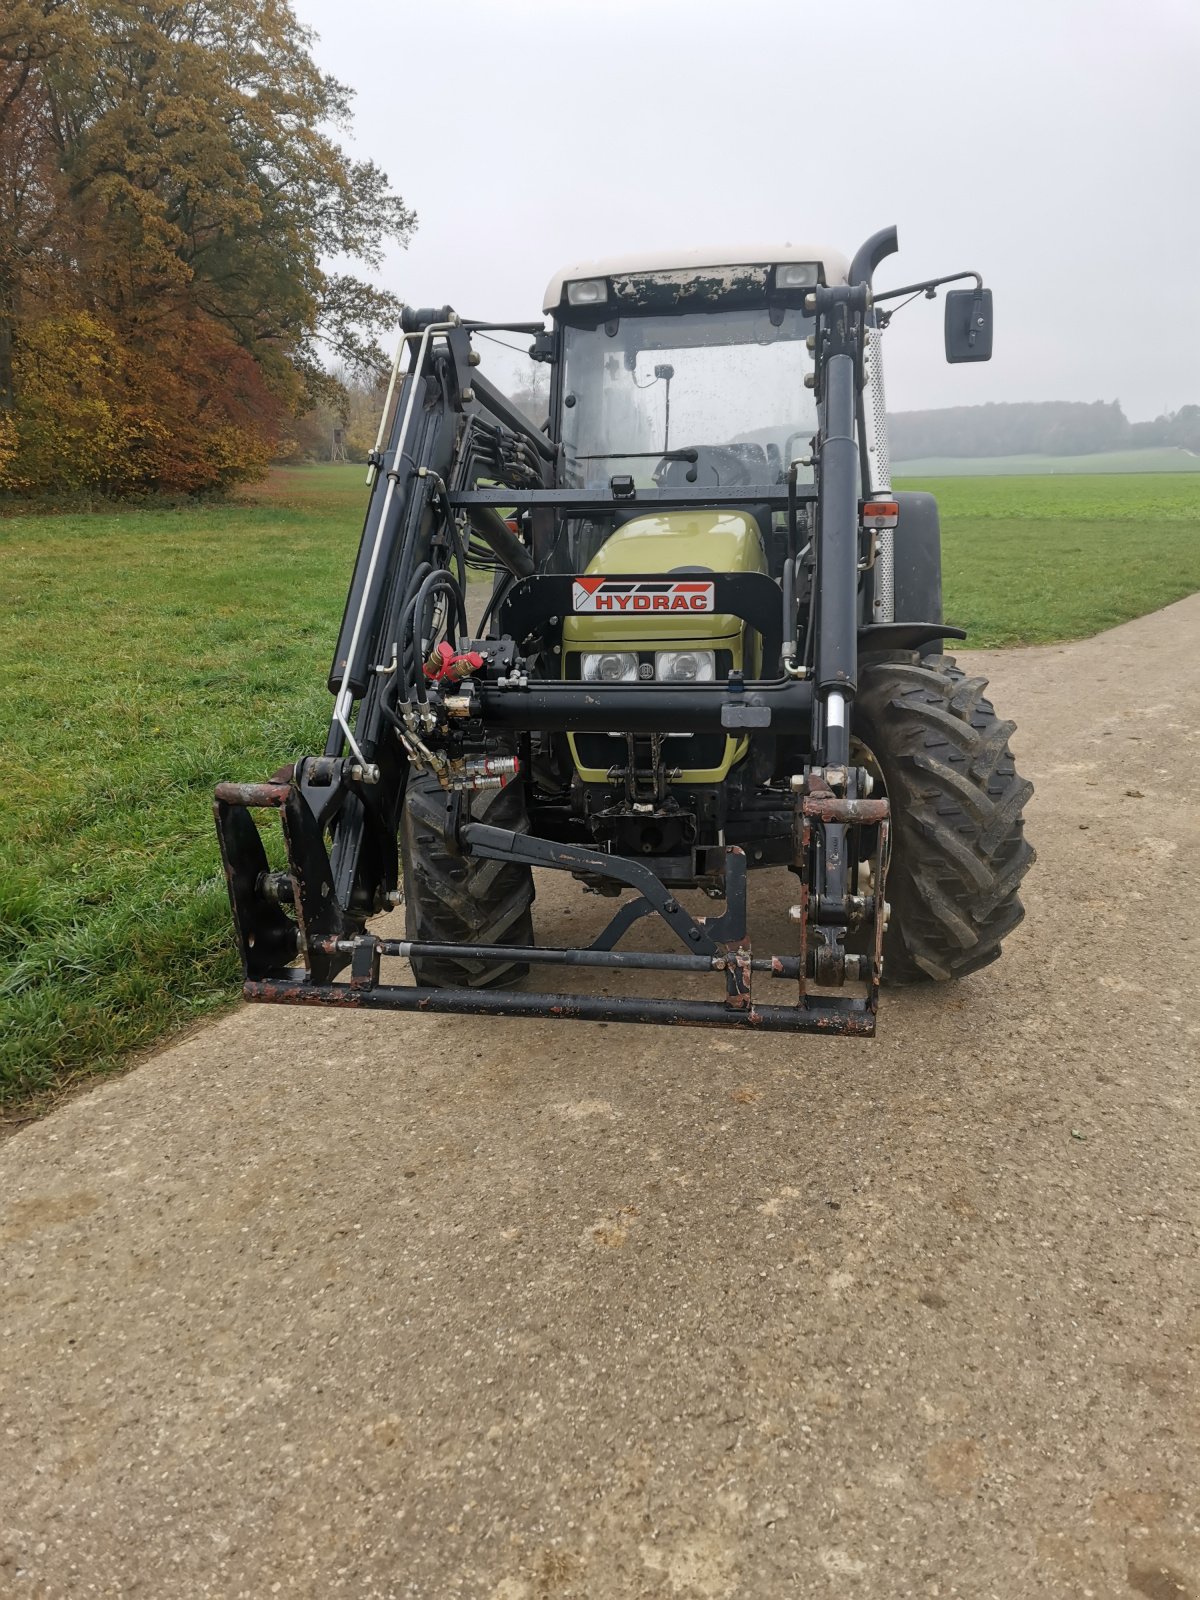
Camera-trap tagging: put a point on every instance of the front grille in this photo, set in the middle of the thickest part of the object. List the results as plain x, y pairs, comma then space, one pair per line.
690, 752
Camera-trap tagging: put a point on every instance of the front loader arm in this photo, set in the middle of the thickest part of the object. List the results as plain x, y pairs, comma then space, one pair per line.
842, 316
444, 425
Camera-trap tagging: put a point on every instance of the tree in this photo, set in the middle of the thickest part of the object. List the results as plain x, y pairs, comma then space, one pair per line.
185, 194
30, 34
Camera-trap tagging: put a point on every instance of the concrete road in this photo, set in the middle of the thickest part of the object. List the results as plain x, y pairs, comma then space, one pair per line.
318, 1304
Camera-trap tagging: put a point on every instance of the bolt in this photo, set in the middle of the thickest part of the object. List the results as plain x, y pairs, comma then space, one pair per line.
468, 395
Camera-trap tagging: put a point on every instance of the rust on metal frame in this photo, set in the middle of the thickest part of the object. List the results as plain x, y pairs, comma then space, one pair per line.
857, 1021
253, 794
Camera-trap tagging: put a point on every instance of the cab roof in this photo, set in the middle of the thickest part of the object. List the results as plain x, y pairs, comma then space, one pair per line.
834, 264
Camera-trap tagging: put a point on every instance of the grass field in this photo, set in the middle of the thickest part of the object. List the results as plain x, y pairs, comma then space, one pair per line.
148, 654
1031, 560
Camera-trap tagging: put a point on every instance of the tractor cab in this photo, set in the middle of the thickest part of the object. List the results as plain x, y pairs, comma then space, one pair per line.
693, 370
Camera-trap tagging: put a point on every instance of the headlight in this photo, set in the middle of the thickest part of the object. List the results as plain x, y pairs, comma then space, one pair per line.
610, 666
685, 666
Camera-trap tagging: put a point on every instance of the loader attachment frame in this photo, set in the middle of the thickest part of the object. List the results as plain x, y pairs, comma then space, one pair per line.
717, 946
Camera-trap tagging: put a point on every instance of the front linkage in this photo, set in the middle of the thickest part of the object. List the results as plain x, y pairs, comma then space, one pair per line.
329, 941
300, 929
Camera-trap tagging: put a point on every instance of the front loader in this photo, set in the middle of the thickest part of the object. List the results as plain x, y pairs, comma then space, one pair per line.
712, 644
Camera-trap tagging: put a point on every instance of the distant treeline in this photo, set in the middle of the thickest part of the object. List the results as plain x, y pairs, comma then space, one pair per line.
1048, 427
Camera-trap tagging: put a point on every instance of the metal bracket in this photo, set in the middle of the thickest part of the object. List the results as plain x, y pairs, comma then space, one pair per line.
501, 844
267, 935
730, 926
644, 785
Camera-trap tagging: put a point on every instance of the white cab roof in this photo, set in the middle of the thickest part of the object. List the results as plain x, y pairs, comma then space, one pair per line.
835, 264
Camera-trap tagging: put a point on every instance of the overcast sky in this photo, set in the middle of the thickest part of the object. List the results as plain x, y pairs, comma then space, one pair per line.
1054, 145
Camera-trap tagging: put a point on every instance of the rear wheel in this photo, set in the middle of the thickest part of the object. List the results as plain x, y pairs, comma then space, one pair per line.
958, 843
458, 899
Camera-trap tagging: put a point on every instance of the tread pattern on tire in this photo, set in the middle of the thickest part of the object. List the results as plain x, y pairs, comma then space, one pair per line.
456, 899
959, 851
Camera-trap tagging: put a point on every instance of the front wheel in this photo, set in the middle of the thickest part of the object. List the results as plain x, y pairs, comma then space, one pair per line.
958, 840
462, 900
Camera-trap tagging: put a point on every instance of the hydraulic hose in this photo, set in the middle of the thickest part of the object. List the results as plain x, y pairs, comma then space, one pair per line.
438, 581
497, 594
492, 528
404, 661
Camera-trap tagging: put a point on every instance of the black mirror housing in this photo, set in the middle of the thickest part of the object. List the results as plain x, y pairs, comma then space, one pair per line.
968, 325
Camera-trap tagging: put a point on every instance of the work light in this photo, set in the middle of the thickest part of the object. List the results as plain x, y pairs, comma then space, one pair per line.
587, 292
796, 275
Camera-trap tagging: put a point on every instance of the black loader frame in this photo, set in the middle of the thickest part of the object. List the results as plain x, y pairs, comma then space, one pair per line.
453, 454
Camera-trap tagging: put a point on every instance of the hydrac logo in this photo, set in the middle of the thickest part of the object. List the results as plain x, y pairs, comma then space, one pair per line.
614, 596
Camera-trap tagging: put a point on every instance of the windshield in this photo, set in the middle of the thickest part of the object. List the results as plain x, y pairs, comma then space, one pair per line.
724, 389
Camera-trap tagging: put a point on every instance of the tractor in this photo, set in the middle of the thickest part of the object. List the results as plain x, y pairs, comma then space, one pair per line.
705, 637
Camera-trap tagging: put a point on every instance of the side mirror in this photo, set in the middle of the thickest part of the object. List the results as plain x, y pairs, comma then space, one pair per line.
968, 325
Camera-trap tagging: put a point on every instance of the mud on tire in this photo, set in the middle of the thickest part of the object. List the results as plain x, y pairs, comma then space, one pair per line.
958, 845
456, 899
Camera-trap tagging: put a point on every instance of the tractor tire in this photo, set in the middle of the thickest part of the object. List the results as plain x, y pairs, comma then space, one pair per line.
958, 845
458, 899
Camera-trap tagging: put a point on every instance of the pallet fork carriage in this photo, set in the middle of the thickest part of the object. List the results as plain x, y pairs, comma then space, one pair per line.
724, 664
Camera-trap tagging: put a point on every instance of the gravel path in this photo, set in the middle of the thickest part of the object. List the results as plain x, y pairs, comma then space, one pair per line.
327, 1304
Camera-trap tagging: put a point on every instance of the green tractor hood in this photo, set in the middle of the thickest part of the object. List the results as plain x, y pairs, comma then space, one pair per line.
676, 544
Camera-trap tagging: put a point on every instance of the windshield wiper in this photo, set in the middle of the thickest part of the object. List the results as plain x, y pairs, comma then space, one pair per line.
643, 455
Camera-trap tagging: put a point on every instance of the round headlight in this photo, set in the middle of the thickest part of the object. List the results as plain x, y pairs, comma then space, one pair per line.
686, 666
610, 666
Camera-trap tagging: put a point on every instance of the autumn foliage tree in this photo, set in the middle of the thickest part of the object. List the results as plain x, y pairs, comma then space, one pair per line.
170, 196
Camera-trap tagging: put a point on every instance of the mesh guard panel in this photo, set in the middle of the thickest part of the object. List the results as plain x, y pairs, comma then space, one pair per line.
880, 469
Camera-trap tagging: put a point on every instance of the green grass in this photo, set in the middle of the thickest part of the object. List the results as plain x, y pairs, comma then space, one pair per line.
1032, 560
145, 656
